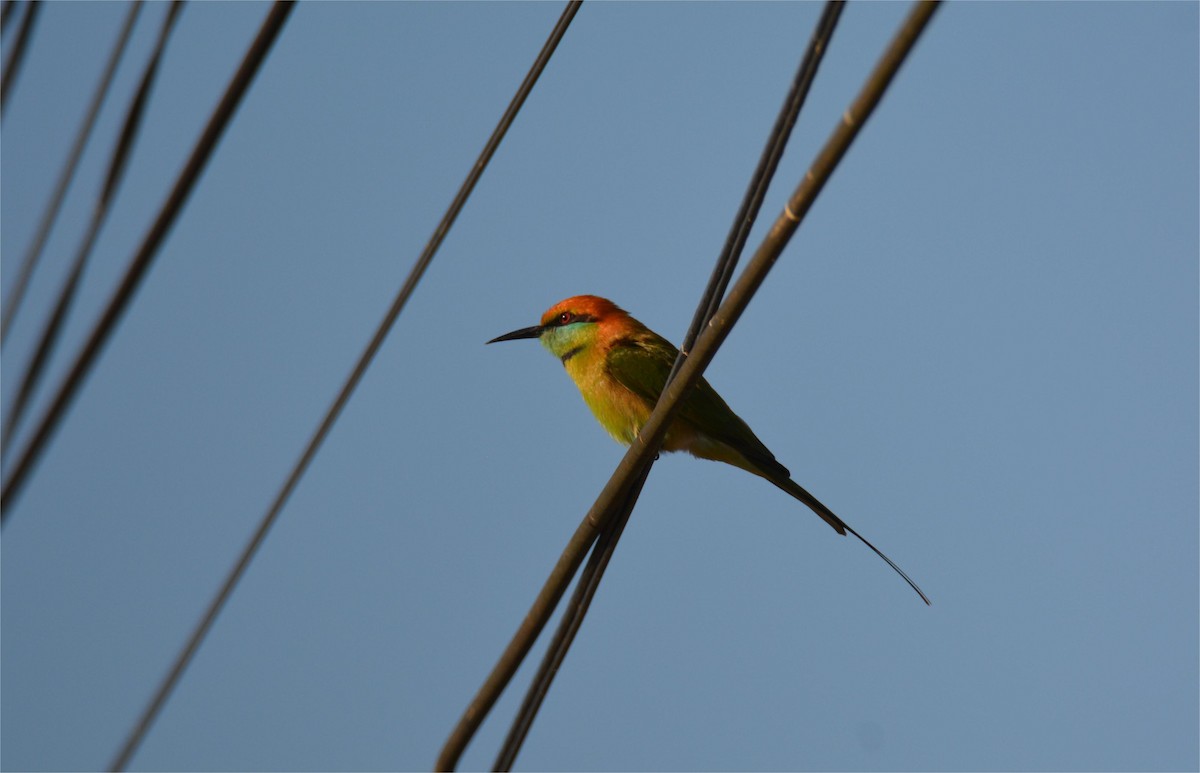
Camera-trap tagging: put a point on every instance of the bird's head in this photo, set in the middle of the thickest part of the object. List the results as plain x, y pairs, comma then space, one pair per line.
570, 327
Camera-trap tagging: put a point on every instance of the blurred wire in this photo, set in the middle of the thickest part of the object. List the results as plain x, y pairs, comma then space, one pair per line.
6, 14
145, 254
206, 621
13, 65
727, 260
116, 172
649, 439
17, 293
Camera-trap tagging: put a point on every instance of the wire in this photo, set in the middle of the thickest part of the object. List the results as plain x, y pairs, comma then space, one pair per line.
572, 619
116, 172
17, 294
743, 222
6, 14
146, 253
206, 621
650, 437
13, 65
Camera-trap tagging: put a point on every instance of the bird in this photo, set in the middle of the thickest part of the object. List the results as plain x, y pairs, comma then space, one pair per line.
621, 367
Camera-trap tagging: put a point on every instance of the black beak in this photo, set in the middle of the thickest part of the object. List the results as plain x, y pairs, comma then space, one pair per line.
525, 332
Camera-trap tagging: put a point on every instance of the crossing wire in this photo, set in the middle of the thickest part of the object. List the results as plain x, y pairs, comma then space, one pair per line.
33, 253
144, 257
727, 260
116, 171
184, 657
649, 439
20, 46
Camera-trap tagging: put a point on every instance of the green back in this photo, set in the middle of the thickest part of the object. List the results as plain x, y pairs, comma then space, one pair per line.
642, 365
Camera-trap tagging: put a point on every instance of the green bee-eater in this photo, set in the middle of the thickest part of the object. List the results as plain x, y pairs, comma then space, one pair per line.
621, 367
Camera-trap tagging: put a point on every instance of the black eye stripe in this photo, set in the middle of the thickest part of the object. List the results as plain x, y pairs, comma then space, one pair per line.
567, 318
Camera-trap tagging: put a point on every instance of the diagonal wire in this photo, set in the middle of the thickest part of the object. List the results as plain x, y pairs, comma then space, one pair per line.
145, 255
6, 14
116, 172
647, 442
17, 294
13, 65
568, 626
206, 621
743, 222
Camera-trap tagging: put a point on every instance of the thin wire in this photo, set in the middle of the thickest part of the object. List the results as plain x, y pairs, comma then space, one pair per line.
206, 621
6, 14
572, 619
743, 222
116, 172
17, 293
649, 439
145, 254
13, 65
761, 180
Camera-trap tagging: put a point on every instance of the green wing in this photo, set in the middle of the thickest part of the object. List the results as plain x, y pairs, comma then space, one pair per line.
642, 365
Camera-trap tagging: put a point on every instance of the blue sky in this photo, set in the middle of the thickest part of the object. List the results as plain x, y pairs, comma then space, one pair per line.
980, 350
